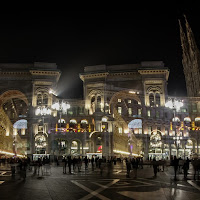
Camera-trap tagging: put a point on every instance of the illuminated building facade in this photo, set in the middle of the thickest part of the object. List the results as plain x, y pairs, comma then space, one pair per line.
123, 113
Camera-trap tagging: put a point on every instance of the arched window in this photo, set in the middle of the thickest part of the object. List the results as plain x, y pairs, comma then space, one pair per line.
72, 123
197, 121
45, 99
98, 103
157, 99
187, 119
84, 121
151, 100
176, 119
62, 121
39, 99
84, 124
93, 104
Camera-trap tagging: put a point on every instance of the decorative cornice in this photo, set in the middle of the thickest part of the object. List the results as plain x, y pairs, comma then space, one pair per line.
90, 76
38, 83
157, 71
45, 73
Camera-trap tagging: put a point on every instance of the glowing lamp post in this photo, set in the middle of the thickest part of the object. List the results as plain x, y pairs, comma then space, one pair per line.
175, 105
61, 107
41, 111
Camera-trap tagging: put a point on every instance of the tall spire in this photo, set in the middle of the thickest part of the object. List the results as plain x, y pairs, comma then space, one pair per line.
186, 61
194, 55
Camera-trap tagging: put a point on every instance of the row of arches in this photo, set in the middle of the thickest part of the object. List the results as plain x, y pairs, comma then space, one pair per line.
63, 146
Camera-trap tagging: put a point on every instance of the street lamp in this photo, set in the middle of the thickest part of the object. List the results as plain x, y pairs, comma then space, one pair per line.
42, 111
175, 105
61, 107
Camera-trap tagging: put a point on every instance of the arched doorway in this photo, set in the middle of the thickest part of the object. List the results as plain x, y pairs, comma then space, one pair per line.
155, 146
40, 143
189, 148
13, 110
60, 146
76, 148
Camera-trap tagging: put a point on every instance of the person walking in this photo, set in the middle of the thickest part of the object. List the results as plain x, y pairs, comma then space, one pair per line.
128, 167
155, 167
69, 161
185, 169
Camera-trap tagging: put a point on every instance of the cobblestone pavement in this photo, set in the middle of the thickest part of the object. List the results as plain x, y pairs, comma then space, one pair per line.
89, 184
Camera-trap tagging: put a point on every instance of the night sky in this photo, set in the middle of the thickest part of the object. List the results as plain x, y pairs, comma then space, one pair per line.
75, 39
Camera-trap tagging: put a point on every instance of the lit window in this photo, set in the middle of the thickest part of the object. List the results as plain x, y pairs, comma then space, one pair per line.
183, 110
148, 113
129, 101
104, 119
120, 130
140, 131
61, 121
119, 110
197, 119
119, 100
73, 121
166, 131
139, 102
139, 112
149, 130
129, 111
187, 119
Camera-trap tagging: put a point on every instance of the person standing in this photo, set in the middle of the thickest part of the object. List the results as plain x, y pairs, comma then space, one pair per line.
96, 161
64, 165
135, 162
176, 162
79, 163
86, 162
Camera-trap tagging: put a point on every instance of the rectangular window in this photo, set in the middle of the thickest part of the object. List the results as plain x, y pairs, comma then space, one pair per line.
194, 107
140, 130
119, 100
119, 110
139, 112
139, 103
166, 131
157, 114
129, 101
130, 111
148, 113
166, 115
173, 133
120, 130
149, 130
184, 110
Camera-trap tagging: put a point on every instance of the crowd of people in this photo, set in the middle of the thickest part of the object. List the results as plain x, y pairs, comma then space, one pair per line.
76, 163
96, 162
